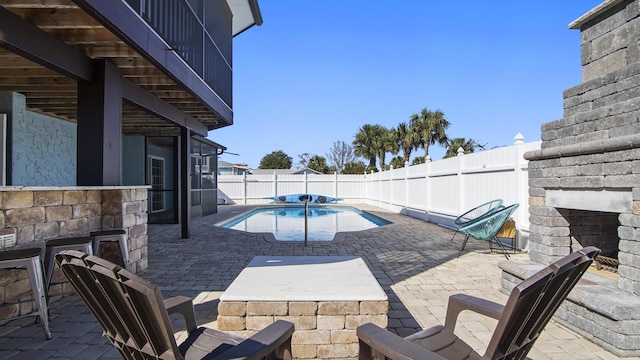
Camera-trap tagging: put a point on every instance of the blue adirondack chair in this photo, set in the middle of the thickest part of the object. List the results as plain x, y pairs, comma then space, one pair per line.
486, 227
476, 213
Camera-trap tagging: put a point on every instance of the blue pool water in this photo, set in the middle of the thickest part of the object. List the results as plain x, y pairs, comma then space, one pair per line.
287, 222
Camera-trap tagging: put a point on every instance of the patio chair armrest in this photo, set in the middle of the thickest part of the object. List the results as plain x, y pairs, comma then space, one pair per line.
460, 302
182, 305
274, 339
375, 341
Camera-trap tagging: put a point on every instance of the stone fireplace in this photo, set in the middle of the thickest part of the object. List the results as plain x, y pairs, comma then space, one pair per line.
584, 182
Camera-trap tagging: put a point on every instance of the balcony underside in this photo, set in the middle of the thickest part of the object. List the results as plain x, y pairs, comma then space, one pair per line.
54, 92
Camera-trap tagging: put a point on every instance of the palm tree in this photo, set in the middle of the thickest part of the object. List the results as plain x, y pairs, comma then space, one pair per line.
407, 139
397, 162
418, 160
469, 146
432, 126
385, 142
318, 163
364, 143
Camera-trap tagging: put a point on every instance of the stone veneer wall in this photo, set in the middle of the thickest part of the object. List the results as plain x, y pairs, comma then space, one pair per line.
323, 329
38, 214
42, 148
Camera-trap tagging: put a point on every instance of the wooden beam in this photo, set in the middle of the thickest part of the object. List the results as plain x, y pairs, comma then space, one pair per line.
77, 36
108, 50
61, 93
57, 18
57, 4
41, 91
25, 72
141, 98
31, 82
40, 47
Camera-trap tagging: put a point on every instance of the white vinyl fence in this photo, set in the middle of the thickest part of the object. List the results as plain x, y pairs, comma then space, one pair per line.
436, 191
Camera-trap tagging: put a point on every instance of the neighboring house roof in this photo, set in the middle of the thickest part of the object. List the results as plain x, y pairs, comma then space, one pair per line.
225, 167
285, 171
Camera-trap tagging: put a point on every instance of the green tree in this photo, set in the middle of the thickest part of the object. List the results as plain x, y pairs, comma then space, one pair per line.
407, 139
432, 126
354, 167
365, 143
276, 160
384, 142
318, 163
418, 160
303, 160
340, 154
468, 145
397, 162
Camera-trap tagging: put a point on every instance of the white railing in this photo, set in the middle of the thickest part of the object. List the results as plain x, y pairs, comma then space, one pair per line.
436, 191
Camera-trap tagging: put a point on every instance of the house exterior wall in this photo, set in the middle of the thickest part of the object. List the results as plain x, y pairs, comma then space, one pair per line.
133, 164
42, 148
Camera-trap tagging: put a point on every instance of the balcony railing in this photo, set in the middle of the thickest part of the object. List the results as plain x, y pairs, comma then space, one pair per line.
199, 32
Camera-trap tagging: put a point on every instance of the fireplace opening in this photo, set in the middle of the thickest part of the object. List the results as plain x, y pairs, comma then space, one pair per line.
594, 228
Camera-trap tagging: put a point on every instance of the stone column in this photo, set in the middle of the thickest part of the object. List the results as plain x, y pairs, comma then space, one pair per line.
127, 209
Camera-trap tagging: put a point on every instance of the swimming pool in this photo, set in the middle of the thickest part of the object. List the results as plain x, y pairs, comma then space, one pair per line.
286, 222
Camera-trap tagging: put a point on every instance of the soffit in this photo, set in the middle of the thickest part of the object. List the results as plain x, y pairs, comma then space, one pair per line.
246, 13
51, 93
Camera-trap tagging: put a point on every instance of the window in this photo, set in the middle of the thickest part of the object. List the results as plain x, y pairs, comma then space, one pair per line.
156, 165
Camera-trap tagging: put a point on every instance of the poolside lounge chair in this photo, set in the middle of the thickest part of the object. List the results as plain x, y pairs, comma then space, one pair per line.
135, 318
487, 227
529, 308
476, 213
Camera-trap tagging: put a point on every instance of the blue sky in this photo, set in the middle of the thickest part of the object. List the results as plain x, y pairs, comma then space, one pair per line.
317, 70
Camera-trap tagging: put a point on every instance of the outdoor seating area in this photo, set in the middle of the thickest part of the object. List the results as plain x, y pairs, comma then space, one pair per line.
414, 262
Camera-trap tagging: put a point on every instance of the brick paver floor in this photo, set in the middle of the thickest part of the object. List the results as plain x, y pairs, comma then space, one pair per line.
415, 262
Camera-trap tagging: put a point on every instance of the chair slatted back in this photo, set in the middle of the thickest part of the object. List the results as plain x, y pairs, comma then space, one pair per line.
130, 309
532, 303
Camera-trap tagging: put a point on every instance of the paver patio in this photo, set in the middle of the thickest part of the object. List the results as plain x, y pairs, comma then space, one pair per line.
413, 261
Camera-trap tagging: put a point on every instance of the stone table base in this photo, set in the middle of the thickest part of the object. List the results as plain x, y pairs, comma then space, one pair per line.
326, 297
